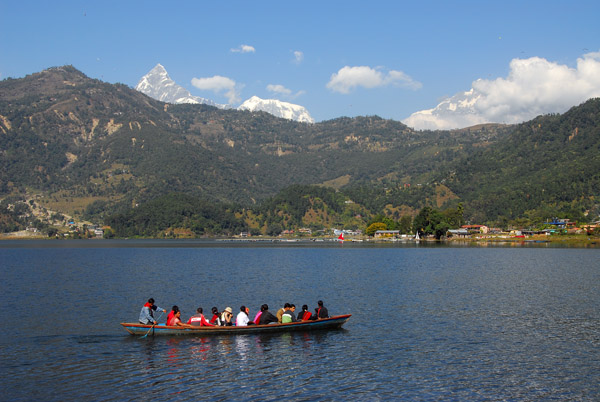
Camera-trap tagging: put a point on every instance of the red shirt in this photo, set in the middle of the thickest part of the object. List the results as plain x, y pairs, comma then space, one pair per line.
306, 316
169, 317
198, 320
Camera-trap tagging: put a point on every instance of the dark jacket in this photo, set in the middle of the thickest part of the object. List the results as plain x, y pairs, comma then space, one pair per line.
266, 317
320, 312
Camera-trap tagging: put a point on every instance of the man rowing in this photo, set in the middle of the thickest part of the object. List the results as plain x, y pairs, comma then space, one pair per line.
146, 315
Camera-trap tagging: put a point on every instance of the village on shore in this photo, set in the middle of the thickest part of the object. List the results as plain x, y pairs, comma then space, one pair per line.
562, 231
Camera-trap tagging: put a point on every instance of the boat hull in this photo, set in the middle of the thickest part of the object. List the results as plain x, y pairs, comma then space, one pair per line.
335, 322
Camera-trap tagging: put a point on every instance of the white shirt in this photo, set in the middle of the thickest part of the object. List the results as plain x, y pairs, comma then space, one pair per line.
242, 319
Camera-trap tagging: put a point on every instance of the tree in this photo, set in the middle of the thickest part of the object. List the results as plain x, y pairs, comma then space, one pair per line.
274, 229
374, 227
421, 223
430, 222
454, 217
405, 224
389, 223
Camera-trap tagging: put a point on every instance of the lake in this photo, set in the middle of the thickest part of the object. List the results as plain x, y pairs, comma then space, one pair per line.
428, 322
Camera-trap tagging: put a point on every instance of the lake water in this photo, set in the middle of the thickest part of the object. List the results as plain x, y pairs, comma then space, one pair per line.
429, 323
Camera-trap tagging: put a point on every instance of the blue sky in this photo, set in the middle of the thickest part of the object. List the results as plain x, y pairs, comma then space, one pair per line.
336, 58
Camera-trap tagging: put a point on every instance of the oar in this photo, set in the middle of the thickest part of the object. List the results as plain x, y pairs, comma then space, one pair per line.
152, 327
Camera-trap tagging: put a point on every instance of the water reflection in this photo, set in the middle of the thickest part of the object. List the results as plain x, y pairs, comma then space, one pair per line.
200, 348
242, 346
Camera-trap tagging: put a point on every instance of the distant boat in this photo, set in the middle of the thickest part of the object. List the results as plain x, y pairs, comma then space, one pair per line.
417, 238
334, 322
341, 237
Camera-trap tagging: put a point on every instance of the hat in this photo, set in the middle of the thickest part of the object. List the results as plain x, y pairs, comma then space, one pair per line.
228, 309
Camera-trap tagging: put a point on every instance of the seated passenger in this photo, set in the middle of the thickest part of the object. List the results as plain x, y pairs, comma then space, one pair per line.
176, 321
257, 316
304, 315
226, 317
266, 317
215, 320
242, 319
321, 311
198, 320
174, 310
289, 315
281, 311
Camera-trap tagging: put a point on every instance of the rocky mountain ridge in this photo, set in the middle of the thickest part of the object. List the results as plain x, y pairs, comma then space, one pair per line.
82, 144
158, 85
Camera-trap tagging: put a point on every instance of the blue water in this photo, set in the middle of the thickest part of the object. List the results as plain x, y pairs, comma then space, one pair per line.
429, 323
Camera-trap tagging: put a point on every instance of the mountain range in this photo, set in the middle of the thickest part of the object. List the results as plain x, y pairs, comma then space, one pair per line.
158, 85
83, 146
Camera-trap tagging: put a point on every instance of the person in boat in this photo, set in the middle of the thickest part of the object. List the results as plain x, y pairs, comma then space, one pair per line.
289, 315
267, 317
281, 311
257, 316
198, 320
174, 310
320, 311
147, 313
226, 316
304, 315
242, 319
216, 318
176, 321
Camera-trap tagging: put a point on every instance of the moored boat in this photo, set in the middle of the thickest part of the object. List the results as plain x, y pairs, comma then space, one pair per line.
335, 322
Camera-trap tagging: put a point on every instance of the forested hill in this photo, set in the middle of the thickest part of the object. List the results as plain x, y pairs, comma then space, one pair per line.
546, 167
64, 131
84, 146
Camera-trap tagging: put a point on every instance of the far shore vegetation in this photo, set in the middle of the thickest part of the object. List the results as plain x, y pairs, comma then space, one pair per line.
299, 212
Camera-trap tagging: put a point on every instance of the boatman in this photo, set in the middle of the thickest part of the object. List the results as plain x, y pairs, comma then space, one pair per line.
146, 315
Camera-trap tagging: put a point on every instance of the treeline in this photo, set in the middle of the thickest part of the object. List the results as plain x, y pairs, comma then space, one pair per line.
159, 217
298, 206
164, 216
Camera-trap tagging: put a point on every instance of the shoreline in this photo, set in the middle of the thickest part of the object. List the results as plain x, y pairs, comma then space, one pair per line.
579, 240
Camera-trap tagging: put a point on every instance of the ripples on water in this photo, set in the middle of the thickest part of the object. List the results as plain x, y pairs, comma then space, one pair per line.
428, 323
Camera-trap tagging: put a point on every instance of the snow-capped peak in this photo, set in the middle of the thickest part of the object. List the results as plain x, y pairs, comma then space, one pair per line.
158, 85
277, 108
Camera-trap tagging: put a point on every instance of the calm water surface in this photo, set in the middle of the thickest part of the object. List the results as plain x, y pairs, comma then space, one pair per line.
429, 323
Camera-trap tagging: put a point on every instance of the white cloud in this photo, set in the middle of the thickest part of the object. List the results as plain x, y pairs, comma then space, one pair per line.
243, 49
279, 89
533, 86
283, 91
298, 57
349, 78
218, 85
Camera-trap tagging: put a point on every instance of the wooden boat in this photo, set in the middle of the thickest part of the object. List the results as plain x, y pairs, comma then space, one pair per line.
335, 322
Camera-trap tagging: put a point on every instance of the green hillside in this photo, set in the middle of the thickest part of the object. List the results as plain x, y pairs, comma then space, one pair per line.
94, 150
547, 167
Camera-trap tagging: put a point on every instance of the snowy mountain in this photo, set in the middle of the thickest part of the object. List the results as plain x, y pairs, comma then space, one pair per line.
158, 85
277, 108
457, 111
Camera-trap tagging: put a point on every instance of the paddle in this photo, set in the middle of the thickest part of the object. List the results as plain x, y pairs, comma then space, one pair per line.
152, 327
